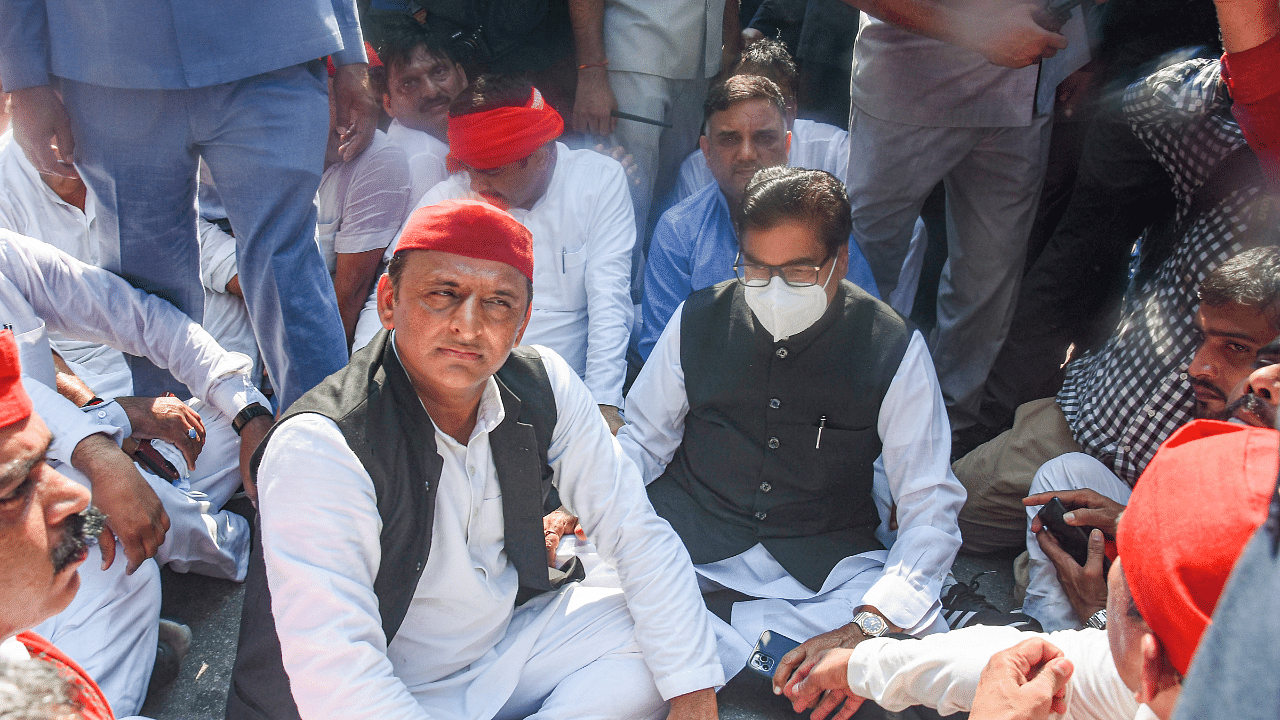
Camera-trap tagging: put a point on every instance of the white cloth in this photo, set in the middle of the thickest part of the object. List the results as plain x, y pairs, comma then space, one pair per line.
941, 671
1045, 599
914, 467
426, 158
225, 315
463, 651
583, 233
814, 145
362, 204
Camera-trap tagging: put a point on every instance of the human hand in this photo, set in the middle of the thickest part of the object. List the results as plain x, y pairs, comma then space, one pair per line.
798, 664
594, 104
613, 418
1074, 93
134, 513
625, 159
166, 418
42, 128
1085, 587
555, 525
251, 436
1025, 682
357, 109
1087, 509
1011, 37
697, 705
827, 679
233, 286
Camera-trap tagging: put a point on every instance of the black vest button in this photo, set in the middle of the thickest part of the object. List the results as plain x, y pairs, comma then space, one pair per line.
775, 403
762, 515
765, 487
773, 443
781, 353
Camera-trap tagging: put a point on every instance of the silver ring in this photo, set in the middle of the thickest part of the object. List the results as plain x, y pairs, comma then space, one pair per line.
191, 433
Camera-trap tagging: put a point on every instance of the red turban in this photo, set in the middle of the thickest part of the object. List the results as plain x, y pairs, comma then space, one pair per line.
1192, 512
502, 135
14, 403
472, 229
374, 61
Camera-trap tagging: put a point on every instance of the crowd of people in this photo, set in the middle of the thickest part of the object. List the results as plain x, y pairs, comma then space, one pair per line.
577, 358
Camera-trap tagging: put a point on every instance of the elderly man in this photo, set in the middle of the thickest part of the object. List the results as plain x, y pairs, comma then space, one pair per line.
402, 561
502, 136
45, 525
694, 245
781, 421
1171, 570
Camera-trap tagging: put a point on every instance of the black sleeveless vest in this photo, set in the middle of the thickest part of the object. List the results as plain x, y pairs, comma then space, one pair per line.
780, 438
375, 406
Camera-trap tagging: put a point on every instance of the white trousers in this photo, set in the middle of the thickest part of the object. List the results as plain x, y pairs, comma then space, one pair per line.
1045, 600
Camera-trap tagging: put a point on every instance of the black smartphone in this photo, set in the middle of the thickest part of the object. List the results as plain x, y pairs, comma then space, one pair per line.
1073, 539
768, 651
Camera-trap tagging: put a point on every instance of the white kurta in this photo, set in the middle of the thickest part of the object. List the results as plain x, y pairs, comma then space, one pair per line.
426, 157
942, 671
913, 471
362, 204
463, 649
583, 233
814, 145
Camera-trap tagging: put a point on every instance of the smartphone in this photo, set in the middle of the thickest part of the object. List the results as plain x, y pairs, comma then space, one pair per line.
1073, 539
768, 651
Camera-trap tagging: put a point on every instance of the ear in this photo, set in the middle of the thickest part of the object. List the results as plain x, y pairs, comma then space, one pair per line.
524, 325
703, 144
386, 301
788, 142
386, 103
1158, 674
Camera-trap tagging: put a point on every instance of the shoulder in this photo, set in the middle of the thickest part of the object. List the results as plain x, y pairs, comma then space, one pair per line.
707, 300
586, 169
1181, 92
694, 210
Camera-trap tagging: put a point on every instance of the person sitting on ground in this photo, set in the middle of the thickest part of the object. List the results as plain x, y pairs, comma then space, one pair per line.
575, 202
784, 422
1239, 314
46, 524
1199, 501
694, 245
401, 562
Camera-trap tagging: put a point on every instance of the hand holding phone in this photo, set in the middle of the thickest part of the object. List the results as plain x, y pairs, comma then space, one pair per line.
768, 651
1073, 539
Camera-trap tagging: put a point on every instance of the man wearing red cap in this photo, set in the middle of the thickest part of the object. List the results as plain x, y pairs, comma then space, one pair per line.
402, 569
45, 523
502, 134
1198, 503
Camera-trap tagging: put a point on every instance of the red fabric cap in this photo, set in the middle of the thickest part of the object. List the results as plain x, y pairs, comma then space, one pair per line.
497, 137
15, 405
472, 229
94, 705
1193, 510
368, 50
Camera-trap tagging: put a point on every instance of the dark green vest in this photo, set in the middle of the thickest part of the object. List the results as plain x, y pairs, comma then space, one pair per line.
751, 468
376, 408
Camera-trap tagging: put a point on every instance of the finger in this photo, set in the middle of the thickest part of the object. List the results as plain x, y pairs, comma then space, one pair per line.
830, 700
803, 694
1036, 525
851, 705
1088, 516
1052, 550
134, 552
1051, 682
66, 143
782, 673
107, 546
1058, 41
1097, 552
553, 543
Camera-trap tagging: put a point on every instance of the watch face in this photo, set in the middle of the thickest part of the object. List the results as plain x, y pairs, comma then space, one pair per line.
871, 624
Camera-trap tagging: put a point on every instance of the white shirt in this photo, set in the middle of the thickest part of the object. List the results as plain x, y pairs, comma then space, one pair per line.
583, 232
942, 671
915, 463
814, 145
320, 529
426, 157
362, 204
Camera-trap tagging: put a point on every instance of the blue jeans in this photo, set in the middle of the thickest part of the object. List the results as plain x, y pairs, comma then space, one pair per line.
263, 139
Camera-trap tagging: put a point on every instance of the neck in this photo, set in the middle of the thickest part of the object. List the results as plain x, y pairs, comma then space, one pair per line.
452, 410
73, 192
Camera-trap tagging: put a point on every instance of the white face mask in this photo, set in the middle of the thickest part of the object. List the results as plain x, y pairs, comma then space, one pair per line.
784, 310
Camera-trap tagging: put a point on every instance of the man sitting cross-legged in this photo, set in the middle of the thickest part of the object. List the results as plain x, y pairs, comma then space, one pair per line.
770, 407
401, 563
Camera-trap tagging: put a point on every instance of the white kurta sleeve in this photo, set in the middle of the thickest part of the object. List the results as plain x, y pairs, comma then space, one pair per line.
611, 238
656, 406
603, 488
217, 257
375, 203
91, 304
65, 421
320, 530
916, 450
941, 671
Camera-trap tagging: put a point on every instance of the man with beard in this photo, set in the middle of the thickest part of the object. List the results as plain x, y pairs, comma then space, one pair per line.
45, 523
1238, 318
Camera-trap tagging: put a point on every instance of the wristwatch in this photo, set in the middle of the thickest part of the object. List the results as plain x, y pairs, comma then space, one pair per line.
249, 412
870, 624
1098, 620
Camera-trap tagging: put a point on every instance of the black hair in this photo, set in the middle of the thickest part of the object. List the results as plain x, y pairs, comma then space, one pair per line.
816, 198
769, 58
491, 91
739, 88
400, 35
1251, 278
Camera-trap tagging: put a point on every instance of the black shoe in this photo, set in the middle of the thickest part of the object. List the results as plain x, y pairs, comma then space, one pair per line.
963, 605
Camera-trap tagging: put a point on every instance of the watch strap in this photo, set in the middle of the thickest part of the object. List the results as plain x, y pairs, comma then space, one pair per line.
1098, 620
249, 412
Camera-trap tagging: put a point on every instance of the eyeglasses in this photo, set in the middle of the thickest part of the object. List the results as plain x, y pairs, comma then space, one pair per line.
753, 275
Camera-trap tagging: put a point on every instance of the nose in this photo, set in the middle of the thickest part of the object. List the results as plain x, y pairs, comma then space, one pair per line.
1202, 363
1265, 383
60, 496
479, 182
466, 317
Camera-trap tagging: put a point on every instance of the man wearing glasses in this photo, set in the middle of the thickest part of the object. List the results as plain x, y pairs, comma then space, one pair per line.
790, 428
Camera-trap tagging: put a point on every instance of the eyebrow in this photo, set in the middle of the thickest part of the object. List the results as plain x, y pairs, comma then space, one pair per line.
1231, 334
15, 471
797, 261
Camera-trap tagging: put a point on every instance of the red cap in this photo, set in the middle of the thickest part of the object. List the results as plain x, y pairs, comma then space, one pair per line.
503, 135
15, 405
472, 229
1193, 510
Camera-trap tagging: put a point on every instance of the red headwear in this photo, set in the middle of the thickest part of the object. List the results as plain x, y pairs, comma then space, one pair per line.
1196, 505
368, 50
493, 138
472, 229
14, 403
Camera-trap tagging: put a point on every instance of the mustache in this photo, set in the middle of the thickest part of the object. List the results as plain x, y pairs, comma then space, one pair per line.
78, 532
1206, 385
1252, 410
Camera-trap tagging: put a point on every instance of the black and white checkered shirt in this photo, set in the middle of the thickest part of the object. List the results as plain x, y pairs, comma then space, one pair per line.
1124, 400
